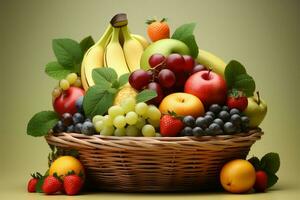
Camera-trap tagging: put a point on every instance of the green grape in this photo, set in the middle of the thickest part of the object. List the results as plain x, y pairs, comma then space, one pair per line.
140, 123
141, 109
119, 121
148, 131
64, 84
56, 92
128, 104
157, 135
107, 130
154, 123
132, 130
114, 111
77, 83
120, 132
97, 118
98, 126
131, 118
107, 120
153, 113
72, 78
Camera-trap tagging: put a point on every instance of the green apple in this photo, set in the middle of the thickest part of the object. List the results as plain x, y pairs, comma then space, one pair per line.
256, 110
164, 47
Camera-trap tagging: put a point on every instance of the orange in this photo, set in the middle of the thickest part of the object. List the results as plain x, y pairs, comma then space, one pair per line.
158, 30
64, 164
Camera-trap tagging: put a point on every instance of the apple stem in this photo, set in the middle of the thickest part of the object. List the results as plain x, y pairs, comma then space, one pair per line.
258, 97
208, 73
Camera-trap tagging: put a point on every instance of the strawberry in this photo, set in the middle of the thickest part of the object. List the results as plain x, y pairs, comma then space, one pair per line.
72, 184
170, 126
261, 181
237, 99
52, 184
33, 181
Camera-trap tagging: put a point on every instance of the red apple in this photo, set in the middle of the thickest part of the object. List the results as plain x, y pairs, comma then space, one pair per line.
65, 103
208, 86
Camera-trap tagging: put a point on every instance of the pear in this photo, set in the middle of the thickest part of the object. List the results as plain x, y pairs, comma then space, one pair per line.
256, 110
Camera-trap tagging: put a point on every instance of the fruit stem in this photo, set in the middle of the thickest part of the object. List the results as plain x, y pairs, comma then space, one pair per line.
126, 33
258, 97
208, 73
115, 35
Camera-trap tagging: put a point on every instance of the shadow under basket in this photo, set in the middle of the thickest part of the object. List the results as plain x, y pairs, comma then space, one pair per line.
160, 164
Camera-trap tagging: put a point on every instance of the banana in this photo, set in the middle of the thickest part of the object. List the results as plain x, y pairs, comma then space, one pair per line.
210, 60
141, 39
114, 56
94, 58
133, 50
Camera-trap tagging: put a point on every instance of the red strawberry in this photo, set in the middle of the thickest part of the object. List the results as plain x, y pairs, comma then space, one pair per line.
170, 126
237, 100
72, 184
33, 181
52, 185
261, 182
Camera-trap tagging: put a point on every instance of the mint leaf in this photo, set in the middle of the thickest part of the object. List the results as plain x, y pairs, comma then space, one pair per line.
41, 123
145, 95
123, 79
104, 76
272, 179
183, 31
255, 162
68, 53
233, 69
270, 162
86, 43
245, 83
57, 71
97, 100
190, 41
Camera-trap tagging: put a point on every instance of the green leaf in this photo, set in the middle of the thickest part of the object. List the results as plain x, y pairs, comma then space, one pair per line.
183, 31
57, 71
145, 95
68, 53
190, 41
104, 76
272, 179
97, 100
41, 123
271, 162
233, 69
255, 162
38, 186
123, 79
86, 43
245, 83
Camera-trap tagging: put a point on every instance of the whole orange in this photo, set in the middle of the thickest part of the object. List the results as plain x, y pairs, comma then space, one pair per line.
64, 164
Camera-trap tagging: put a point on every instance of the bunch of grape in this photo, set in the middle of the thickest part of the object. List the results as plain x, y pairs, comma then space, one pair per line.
129, 119
218, 120
167, 74
76, 123
71, 80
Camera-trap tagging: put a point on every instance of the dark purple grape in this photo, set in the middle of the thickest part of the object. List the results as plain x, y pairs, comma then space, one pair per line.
67, 119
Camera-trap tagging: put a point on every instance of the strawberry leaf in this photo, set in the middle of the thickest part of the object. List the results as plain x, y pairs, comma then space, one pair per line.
272, 179
255, 162
270, 162
38, 187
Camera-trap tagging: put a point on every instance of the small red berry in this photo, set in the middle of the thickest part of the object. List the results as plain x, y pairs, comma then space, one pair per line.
261, 182
31, 186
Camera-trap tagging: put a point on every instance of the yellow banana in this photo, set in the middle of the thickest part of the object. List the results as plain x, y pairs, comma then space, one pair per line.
114, 56
141, 39
212, 61
94, 58
133, 50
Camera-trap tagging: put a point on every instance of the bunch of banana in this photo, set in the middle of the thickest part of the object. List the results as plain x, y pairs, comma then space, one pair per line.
117, 48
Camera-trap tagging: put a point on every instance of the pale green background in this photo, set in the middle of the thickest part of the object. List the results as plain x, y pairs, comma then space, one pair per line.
263, 35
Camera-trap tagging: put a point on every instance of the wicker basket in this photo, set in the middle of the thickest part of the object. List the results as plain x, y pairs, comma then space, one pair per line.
139, 164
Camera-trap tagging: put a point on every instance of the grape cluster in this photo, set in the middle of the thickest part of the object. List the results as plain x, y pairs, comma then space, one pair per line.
167, 74
217, 120
129, 119
76, 123
71, 80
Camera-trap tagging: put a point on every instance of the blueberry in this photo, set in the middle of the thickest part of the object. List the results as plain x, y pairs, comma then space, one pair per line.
88, 128
229, 127
88, 120
225, 108
59, 127
208, 131
78, 118
209, 119
197, 131
67, 119
219, 122
245, 120
78, 128
236, 119
187, 131
70, 129
215, 108
189, 121
79, 104
224, 115
210, 113
201, 122
234, 111
214, 127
